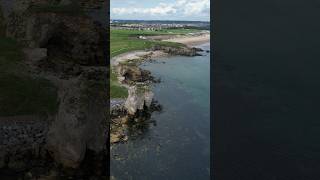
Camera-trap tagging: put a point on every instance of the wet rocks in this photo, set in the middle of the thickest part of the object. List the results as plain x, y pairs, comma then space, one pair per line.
126, 127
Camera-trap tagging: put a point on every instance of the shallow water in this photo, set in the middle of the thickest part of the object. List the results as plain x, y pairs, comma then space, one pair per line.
176, 142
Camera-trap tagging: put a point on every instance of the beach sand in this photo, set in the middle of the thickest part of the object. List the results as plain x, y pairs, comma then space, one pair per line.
191, 40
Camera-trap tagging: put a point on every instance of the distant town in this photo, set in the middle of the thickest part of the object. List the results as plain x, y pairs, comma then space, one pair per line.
157, 25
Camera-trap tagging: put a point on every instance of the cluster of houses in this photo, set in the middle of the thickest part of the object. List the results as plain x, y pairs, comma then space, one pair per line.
150, 27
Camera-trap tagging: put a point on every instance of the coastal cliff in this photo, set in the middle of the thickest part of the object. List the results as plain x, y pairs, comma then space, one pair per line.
140, 102
68, 48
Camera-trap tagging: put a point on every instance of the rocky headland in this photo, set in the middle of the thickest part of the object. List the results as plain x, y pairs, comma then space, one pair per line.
139, 104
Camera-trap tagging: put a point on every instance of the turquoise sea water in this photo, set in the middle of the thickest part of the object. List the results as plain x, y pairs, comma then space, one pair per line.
176, 142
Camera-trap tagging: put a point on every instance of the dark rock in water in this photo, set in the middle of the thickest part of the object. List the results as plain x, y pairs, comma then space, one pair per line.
156, 107
132, 126
199, 49
156, 80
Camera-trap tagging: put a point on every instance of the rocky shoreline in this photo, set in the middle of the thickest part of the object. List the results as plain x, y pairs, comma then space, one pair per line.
139, 105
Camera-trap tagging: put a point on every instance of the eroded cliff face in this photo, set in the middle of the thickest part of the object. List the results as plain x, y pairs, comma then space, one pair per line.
70, 50
75, 37
81, 122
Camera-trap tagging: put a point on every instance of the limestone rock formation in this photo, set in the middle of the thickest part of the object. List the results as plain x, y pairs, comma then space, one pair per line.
138, 99
80, 123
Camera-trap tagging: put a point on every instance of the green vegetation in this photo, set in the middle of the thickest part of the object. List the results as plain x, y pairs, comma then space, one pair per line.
21, 94
127, 40
123, 41
116, 90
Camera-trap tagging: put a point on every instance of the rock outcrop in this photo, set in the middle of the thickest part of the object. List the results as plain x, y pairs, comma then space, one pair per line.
182, 51
81, 121
139, 98
132, 73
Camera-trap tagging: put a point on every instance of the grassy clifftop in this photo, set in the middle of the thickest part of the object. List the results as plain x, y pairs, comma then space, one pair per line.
127, 40
123, 41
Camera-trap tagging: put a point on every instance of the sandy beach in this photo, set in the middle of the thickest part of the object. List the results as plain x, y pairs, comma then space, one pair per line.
187, 40
191, 40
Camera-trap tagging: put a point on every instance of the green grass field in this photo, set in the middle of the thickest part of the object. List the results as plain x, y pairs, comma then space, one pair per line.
126, 40
21, 94
116, 91
123, 41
